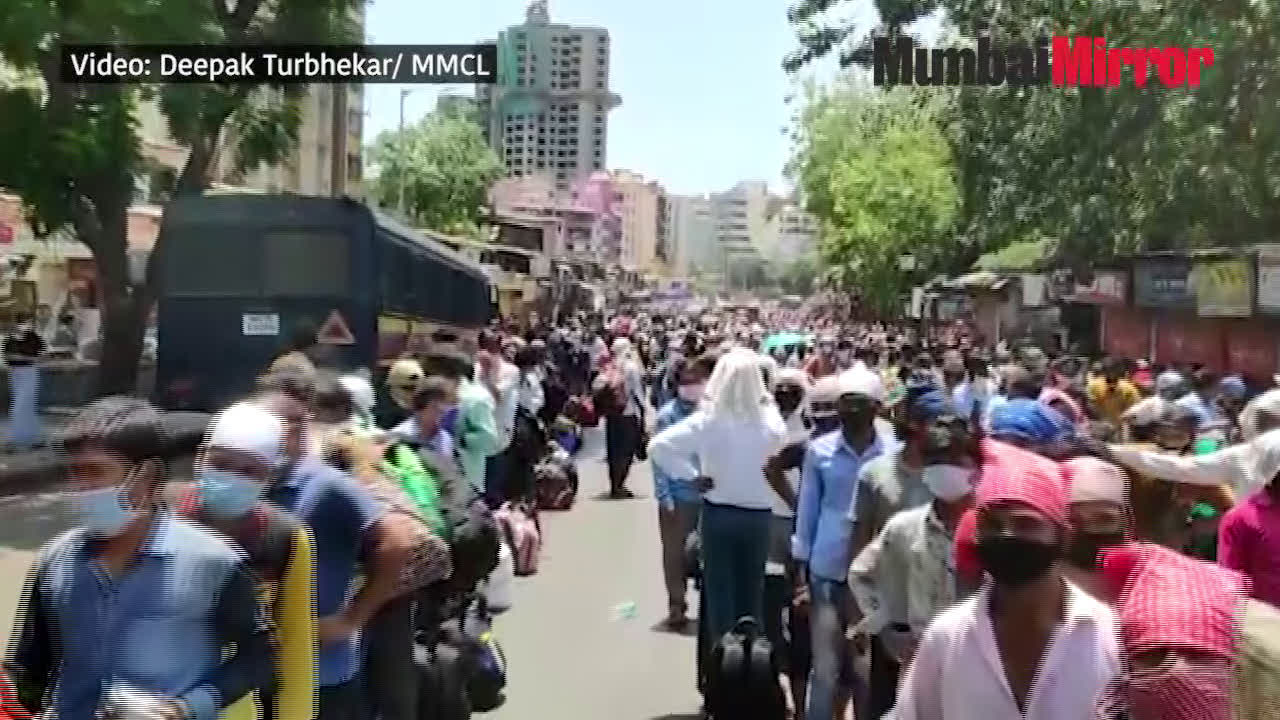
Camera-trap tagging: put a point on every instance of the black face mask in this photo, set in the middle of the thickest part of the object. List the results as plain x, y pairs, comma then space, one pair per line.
788, 400
1014, 561
1085, 546
858, 419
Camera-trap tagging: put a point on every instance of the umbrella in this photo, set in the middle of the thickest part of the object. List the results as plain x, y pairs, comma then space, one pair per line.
786, 339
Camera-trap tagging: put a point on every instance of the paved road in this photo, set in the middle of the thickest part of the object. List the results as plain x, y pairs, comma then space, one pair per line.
571, 656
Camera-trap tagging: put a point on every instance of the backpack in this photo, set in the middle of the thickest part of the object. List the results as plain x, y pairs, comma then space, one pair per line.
556, 482
582, 411
609, 393
742, 676
483, 663
470, 530
442, 690
405, 468
521, 530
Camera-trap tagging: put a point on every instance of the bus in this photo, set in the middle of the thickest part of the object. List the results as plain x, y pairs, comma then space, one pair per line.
240, 274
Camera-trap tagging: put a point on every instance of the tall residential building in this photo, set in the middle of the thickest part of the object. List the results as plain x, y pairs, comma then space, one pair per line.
693, 238
741, 218
796, 233
641, 218
548, 112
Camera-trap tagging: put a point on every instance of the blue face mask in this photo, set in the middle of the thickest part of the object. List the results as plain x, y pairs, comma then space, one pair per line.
104, 512
450, 418
227, 494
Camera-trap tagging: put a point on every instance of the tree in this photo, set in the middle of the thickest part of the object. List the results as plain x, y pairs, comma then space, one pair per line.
444, 167
876, 170
72, 151
799, 276
1106, 171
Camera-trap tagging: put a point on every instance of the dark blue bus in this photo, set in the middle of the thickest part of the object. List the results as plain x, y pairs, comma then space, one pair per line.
240, 273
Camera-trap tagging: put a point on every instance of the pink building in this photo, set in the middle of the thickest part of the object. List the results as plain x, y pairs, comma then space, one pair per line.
589, 219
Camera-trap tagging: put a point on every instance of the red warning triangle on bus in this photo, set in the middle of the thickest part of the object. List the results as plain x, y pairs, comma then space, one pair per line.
335, 331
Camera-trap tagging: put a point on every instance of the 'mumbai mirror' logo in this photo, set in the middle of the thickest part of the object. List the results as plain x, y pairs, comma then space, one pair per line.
1081, 61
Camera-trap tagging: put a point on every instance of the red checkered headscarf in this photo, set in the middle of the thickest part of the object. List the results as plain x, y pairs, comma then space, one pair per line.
1011, 474
1169, 600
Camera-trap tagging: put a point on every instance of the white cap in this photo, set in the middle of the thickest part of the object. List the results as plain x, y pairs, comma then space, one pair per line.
251, 429
861, 381
1096, 480
360, 390
1168, 380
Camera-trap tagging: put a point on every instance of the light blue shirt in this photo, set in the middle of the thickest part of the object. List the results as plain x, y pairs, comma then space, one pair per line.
665, 487
155, 627
1207, 413
828, 481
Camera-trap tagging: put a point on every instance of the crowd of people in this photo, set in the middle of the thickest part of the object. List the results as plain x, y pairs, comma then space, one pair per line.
925, 528
314, 563
1027, 536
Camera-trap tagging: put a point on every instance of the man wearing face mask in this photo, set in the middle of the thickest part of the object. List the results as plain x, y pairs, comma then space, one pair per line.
346, 524
823, 360
907, 575
22, 351
1028, 644
232, 473
1195, 647
1099, 519
823, 539
172, 601
475, 426
679, 501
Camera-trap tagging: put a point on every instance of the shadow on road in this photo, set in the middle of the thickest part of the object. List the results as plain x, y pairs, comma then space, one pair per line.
28, 521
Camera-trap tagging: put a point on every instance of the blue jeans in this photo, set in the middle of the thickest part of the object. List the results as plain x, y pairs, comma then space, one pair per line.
735, 545
830, 601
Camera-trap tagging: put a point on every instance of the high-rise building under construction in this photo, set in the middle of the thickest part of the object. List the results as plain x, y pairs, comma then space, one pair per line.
549, 111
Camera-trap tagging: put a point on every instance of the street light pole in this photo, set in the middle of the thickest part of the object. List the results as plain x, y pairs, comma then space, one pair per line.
404, 93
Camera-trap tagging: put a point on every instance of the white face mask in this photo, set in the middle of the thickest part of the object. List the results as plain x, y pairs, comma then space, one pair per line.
948, 482
692, 393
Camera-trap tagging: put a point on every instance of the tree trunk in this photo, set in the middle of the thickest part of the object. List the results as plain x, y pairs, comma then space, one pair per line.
124, 318
125, 307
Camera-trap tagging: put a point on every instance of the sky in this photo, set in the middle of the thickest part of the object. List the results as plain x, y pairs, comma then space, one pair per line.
704, 96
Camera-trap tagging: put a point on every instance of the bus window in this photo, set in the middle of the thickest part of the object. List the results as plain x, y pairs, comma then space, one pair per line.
211, 261
396, 277
306, 263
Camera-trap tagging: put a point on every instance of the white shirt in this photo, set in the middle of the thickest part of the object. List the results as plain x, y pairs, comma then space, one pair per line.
1147, 410
529, 392
796, 432
730, 451
508, 377
1244, 467
957, 673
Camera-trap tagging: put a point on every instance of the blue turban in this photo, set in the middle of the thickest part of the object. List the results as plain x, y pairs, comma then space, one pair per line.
1030, 422
929, 405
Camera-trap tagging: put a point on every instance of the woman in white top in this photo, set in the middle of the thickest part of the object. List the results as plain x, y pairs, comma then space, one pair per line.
729, 439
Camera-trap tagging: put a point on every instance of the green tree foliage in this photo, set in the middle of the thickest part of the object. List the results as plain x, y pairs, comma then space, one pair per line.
800, 276
445, 167
1105, 171
72, 151
876, 170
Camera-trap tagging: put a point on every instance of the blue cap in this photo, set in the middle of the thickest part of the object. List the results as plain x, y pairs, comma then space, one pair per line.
1232, 386
929, 405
